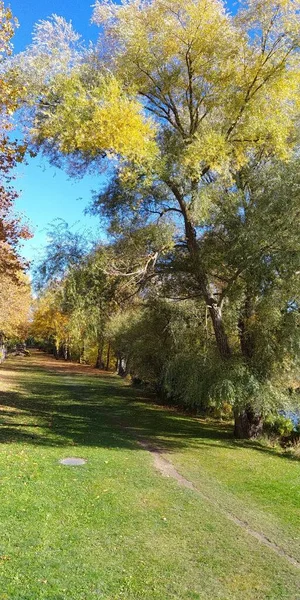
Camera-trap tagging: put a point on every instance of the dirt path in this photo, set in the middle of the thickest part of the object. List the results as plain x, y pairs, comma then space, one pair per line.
40, 359
167, 469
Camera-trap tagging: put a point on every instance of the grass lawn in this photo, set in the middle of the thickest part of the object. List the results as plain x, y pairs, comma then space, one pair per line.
115, 528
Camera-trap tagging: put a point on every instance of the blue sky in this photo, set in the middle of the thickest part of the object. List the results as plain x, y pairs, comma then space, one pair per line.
47, 193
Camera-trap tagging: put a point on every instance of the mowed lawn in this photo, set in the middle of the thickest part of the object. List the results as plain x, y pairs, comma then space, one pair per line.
116, 528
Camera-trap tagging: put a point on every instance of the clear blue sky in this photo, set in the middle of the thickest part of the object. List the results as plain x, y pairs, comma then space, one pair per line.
47, 193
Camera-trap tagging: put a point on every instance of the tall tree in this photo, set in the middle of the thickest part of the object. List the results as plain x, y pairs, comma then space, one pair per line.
15, 307
186, 99
11, 152
65, 248
50, 324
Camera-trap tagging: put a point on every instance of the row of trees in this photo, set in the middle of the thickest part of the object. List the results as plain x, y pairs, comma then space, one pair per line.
194, 112
15, 296
11, 153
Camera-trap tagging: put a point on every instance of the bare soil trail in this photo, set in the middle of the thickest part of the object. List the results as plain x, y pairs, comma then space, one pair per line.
167, 469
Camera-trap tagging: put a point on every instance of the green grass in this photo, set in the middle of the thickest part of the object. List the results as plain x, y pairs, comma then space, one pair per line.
115, 528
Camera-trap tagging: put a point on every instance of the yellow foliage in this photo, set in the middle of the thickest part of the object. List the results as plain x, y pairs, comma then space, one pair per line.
15, 306
9, 91
100, 120
48, 320
210, 148
226, 85
217, 87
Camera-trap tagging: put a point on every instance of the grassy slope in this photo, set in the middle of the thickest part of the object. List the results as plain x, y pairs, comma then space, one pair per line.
115, 528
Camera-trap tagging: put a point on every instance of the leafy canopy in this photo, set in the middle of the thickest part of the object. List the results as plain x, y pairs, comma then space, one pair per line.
12, 230
218, 87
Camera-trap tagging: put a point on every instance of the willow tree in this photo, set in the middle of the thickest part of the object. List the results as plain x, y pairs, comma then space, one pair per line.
184, 98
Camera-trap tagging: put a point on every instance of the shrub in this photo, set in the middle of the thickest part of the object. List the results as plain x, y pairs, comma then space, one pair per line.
278, 425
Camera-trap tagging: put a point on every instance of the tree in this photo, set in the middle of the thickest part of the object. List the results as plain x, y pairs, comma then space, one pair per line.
88, 296
50, 325
15, 307
11, 152
208, 97
65, 248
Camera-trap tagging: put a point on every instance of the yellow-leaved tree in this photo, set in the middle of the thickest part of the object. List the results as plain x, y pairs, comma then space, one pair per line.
187, 98
15, 308
50, 323
11, 152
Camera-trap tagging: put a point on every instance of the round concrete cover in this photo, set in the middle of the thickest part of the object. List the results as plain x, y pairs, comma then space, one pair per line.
72, 462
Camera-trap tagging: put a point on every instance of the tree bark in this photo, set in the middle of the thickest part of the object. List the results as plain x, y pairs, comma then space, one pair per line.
246, 337
247, 423
107, 357
199, 273
99, 362
81, 357
66, 351
214, 309
2, 348
222, 342
56, 350
122, 366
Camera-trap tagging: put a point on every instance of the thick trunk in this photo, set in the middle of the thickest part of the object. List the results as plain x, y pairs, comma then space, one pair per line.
214, 309
122, 366
219, 330
247, 423
199, 273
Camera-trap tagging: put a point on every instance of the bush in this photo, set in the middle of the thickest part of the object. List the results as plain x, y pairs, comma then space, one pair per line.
278, 425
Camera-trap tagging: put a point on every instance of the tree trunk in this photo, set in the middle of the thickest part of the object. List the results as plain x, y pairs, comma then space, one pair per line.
99, 362
66, 351
2, 348
246, 337
200, 275
247, 423
107, 357
215, 312
81, 357
122, 366
56, 350
219, 330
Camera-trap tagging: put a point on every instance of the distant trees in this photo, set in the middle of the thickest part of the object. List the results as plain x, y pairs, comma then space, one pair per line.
196, 113
69, 315
49, 323
15, 308
82, 285
15, 296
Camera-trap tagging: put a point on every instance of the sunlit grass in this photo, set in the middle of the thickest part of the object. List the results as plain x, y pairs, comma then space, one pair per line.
115, 528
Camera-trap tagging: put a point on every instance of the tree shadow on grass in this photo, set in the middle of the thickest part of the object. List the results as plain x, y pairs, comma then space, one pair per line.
66, 408
54, 410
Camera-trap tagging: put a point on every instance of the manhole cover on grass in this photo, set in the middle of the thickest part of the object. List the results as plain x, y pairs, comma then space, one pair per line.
72, 462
